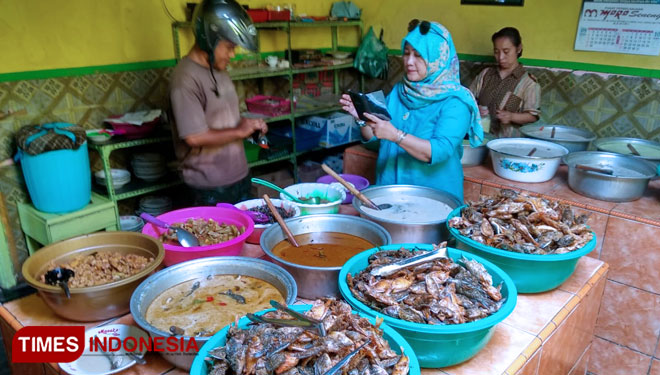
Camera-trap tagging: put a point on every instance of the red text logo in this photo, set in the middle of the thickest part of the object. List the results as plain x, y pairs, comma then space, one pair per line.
48, 344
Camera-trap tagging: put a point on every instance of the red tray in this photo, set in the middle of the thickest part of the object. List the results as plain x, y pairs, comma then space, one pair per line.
279, 15
268, 105
258, 15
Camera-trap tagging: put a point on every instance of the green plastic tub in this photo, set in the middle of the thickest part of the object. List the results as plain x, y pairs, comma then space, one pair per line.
397, 343
437, 346
532, 273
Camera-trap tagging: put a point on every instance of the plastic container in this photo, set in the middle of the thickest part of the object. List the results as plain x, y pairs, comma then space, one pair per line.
258, 15
251, 151
58, 181
311, 189
259, 228
131, 131
305, 139
176, 254
359, 182
397, 343
532, 273
268, 105
511, 159
437, 345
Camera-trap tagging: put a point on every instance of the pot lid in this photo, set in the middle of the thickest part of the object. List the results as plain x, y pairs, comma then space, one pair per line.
562, 133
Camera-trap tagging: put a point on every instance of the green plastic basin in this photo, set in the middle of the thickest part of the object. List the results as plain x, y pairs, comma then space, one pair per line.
397, 343
437, 345
532, 273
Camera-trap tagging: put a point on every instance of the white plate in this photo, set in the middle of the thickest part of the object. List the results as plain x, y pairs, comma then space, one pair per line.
96, 363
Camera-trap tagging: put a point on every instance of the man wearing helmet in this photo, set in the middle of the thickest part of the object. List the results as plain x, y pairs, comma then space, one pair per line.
209, 132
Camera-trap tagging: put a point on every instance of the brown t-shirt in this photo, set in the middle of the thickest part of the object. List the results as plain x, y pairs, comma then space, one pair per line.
196, 109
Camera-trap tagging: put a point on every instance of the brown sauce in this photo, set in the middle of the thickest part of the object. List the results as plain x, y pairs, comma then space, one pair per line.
321, 249
202, 307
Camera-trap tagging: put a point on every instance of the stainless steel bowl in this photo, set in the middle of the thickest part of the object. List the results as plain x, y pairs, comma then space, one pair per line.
426, 230
159, 282
473, 156
574, 139
98, 302
628, 181
319, 282
648, 150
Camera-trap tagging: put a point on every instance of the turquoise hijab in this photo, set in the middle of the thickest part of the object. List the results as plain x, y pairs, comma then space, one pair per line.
442, 79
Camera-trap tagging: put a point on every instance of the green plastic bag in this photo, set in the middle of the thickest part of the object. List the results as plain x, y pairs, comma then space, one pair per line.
371, 57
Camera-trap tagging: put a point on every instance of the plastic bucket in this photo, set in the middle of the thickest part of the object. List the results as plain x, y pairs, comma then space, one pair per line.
437, 346
58, 181
177, 254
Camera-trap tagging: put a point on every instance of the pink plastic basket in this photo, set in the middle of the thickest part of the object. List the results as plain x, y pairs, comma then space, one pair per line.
268, 105
178, 254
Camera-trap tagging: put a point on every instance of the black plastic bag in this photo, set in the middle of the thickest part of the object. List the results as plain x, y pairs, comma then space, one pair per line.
371, 57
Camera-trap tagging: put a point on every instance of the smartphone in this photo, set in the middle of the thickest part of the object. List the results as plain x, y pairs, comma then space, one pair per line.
373, 103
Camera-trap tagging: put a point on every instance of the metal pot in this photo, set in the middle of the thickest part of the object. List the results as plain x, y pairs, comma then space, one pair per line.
159, 282
98, 302
473, 156
574, 139
319, 282
628, 181
426, 230
648, 150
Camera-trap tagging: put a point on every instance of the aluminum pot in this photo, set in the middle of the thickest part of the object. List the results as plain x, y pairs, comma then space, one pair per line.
98, 302
171, 276
320, 282
628, 181
574, 139
473, 156
426, 230
648, 150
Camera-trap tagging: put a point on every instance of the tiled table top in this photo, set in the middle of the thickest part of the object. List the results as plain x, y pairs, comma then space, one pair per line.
532, 322
646, 209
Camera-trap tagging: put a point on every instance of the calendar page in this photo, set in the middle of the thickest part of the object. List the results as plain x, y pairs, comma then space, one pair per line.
631, 27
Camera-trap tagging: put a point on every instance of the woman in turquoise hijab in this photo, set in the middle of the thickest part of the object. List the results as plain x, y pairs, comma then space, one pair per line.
431, 114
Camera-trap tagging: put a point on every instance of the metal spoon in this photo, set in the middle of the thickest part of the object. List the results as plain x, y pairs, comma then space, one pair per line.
310, 200
594, 169
185, 238
422, 258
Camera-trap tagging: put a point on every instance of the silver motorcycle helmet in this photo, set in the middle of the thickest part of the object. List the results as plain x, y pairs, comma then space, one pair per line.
216, 20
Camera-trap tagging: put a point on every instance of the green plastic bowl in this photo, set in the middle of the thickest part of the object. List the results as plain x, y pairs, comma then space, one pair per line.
437, 345
532, 273
397, 343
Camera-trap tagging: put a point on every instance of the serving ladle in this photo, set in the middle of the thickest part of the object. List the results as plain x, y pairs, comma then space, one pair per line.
309, 200
60, 276
185, 238
354, 191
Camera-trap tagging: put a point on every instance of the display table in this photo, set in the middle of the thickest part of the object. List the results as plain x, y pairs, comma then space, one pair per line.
551, 330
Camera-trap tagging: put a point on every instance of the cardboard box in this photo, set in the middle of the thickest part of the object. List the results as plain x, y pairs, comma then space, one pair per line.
310, 171
335, 128
281, 178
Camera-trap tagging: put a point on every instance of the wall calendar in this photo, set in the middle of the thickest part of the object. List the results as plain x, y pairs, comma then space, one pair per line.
631, 27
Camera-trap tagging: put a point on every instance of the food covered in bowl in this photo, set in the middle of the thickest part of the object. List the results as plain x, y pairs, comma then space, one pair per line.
437, 345
355, 343
194, 299
329, 198
525, 159
574, 139
92, 303
415, 213
640, 148
286, 209
327, 242
535, 241
228, 216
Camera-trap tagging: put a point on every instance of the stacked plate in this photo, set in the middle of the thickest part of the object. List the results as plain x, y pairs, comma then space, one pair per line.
149, 166
155, 205
131, 223
120, 177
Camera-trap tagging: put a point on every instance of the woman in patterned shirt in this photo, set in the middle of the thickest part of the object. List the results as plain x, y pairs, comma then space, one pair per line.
507, 93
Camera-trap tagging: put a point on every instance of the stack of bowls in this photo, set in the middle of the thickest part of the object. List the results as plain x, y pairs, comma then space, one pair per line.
155, 205
149, 166
131, 223
437, 345
120, 177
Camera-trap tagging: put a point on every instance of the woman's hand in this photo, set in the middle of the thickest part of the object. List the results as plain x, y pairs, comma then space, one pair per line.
505, 117
347, 105
382, 129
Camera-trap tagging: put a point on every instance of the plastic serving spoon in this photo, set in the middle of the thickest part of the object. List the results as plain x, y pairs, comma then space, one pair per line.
310, 200
185, 238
